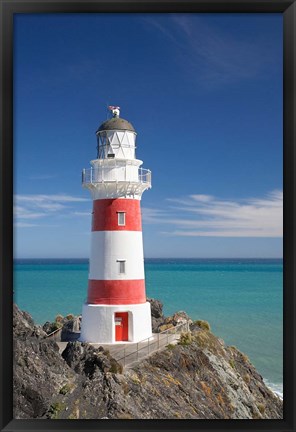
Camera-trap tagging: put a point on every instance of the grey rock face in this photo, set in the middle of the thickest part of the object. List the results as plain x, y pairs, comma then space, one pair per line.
24, 327
84, 358
71, 329
200, 378
157, 316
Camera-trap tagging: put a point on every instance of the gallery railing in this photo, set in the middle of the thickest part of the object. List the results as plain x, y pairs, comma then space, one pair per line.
97, 175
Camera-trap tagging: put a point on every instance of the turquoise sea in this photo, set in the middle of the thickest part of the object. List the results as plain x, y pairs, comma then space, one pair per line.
240, 298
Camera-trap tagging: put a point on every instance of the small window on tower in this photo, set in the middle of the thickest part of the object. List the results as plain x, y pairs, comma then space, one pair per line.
121, 218
121, 266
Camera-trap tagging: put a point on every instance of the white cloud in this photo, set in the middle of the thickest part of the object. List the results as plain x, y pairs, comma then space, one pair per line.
152, 216
36, 206
24, 213
204, 215
24, 225
46, 198
78, 213
206, 51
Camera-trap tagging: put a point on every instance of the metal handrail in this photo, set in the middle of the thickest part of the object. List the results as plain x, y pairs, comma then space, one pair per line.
53, 334
151, 340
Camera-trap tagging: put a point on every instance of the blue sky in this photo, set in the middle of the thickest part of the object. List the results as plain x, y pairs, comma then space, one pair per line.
204, 93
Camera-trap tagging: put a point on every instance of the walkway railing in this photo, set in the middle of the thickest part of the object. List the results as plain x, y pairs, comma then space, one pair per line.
136, 352
55, 335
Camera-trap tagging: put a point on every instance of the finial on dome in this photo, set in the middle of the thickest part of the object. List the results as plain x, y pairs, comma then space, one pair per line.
115, 110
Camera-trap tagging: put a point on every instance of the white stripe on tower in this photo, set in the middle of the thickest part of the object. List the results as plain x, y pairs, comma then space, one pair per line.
108, 248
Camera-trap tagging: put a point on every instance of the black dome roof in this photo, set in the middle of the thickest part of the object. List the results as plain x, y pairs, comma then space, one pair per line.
116, 123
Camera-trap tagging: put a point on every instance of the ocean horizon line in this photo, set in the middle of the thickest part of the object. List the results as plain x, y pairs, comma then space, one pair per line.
160, 258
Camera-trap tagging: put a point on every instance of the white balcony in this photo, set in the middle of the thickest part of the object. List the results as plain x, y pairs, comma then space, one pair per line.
117, 181
121, 174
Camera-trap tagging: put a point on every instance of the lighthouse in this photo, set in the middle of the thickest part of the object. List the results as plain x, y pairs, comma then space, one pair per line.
116, 309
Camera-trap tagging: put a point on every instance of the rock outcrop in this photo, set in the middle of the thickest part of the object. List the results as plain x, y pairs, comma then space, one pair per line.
199, 378
157, 316
69, 326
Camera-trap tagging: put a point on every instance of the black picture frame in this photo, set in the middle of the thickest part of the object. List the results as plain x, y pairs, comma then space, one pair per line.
10, 7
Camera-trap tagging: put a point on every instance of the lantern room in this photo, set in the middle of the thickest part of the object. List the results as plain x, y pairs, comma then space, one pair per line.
116, 138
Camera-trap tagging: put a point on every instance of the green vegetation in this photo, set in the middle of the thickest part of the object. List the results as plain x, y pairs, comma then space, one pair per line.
261, 408
115, 367
247, 378
203, 325
232, 363
55, 326
66, 389
136, 380
171, 346
185, 338
245, 358
55, 409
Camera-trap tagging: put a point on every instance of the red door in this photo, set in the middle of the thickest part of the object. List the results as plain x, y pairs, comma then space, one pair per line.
121, 326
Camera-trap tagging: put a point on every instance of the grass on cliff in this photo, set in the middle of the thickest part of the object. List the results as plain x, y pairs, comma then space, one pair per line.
204, 325
67, 388
203, 338
185, 338
55, 409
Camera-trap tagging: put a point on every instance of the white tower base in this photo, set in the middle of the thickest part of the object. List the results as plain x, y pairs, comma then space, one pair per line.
98, 322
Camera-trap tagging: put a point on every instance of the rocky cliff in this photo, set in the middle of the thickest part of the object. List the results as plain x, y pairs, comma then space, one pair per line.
199, 378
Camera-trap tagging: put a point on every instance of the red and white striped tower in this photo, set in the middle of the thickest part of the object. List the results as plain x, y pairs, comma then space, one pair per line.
116, 309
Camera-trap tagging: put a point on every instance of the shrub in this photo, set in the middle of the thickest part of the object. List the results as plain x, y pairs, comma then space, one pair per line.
185, 338
55, 326
171, 346
66, 389
204, 325
201, 339
232, 363
55, 409
247, 378
115, 367
261, 408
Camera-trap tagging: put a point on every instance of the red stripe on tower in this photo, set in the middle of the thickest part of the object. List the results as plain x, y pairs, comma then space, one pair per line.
116, 215
116, 292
